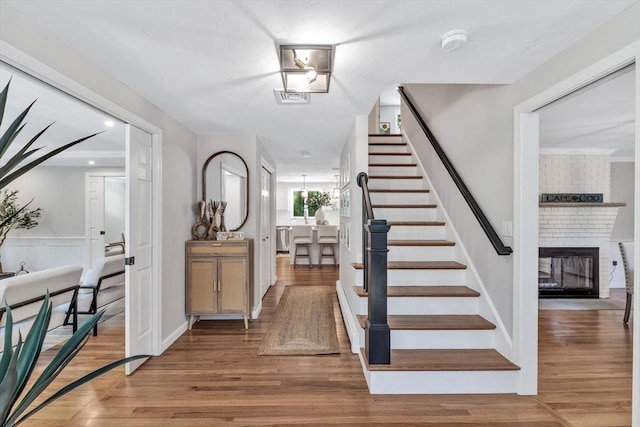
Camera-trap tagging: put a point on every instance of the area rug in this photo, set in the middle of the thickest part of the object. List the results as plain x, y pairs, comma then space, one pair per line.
304, 324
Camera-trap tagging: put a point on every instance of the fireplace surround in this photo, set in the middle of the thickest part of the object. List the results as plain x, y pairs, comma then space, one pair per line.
568, 272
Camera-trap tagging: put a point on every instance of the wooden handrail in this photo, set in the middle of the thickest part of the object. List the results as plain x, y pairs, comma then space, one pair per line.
493, 237
362, 179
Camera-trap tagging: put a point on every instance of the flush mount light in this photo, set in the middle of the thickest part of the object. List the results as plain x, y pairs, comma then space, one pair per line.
306, 154
109, 123
91, 162
306, 68
453, 40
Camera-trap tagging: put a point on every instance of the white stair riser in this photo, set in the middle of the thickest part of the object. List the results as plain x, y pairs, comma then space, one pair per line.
421, 277
420, 232
398, 148
421, 253
400, 198
391, 159
401, 339
386, 139
406, 214
397, 184
441, 305
441, 382
385, 170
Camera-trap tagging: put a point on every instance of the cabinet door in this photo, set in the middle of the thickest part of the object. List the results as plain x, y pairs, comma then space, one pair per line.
202, 297
233, 278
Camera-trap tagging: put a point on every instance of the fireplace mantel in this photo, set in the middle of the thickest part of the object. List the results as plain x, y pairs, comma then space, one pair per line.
583, 205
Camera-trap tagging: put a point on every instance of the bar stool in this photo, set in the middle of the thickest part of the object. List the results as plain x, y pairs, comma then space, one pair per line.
301, 237
327, 238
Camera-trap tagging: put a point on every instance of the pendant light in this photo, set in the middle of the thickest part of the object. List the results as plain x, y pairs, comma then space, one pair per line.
336, 190
304, 186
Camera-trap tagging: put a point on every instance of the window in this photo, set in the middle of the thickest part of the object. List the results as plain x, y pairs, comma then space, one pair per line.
298, 204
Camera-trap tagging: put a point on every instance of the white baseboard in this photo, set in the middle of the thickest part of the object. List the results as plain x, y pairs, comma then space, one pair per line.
256, 312
348, 318
166, 343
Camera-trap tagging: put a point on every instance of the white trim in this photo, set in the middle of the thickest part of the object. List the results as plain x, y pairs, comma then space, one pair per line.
349, 320
273, 234
39, 70
526, 213
635, 382
256, 312
579, 151
629, 159
167, 342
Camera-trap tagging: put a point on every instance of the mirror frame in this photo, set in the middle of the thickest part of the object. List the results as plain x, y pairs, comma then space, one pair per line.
204, 183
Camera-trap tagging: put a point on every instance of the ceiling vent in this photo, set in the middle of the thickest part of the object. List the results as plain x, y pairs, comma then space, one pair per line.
283, 97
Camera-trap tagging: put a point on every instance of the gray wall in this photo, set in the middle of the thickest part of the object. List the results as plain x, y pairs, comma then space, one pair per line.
622, 189
474, 124
178, 149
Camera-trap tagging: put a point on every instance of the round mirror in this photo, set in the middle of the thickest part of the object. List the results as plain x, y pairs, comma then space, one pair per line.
225, 177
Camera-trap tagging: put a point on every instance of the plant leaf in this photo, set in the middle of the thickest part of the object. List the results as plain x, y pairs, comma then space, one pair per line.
32, 346
8, 383
7, 351
3, 99
61, 359
9, 134
15, 214
77, 383
7, 179
22, 154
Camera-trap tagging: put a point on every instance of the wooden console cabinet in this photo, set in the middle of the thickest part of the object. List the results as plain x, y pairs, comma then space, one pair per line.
219, 278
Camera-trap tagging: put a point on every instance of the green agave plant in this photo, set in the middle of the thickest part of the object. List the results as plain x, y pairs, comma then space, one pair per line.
17, 364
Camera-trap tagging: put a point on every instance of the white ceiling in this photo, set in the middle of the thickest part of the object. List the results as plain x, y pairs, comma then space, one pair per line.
213, 64
599, 116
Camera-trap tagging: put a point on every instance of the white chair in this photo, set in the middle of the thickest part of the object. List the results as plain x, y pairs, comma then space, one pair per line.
328, 238
301, 237
626, 252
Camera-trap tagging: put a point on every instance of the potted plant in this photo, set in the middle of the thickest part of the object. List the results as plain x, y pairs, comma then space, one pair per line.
13, 216
316, 201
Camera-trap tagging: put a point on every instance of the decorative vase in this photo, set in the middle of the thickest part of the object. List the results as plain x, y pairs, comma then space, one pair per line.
320, 216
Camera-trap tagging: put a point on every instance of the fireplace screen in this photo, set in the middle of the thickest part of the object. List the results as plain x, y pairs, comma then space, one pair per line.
568, 272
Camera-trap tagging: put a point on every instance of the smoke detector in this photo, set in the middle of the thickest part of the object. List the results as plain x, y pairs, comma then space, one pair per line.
454, 40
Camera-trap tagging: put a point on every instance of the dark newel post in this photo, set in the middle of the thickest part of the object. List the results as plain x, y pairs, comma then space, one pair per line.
377, 335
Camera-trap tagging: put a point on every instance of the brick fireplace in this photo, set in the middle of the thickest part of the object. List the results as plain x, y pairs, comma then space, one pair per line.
578, 225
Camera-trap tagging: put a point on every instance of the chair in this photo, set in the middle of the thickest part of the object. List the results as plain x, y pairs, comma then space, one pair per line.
327, 238
627, 264
301, 237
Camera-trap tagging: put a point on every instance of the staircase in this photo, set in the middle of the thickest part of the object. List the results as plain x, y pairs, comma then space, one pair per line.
439, 341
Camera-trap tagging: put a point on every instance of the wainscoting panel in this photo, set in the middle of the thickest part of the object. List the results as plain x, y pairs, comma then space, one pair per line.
40, 253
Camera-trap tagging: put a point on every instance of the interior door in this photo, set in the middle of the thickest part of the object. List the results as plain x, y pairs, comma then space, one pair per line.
96, 223
265, 232
138, 229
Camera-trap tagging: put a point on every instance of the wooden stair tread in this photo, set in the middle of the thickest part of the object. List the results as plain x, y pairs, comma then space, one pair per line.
418, 265
420, 243
385, 134
395, 165
409, 206
405, 190
424, 291
390, 153
416, 223
434, 322
388, 143
395, 176
444, 360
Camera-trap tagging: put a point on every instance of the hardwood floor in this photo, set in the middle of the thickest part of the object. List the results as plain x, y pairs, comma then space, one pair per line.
212, 376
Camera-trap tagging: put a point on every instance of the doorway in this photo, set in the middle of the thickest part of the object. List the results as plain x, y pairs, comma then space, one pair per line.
526, 191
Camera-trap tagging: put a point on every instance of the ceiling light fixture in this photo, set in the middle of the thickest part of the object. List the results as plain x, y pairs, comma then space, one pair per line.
304, 186
336, 190
453, 40
306, 68
109, 123
306, 154
91, 162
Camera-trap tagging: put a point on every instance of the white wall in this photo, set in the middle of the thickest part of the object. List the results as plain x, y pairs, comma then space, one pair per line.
114, 208
622, 188
178, 148
389, 113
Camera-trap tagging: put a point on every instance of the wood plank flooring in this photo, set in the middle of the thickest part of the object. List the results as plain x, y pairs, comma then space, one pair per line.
212, 377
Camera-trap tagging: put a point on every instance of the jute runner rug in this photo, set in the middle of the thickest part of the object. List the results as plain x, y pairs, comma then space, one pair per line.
303, 324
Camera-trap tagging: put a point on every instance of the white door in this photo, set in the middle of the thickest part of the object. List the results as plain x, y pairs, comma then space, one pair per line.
138, 230
96, 223
265, 232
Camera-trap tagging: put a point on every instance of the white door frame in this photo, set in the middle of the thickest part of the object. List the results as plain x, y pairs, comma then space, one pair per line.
37, 69
272, 200
526, 145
